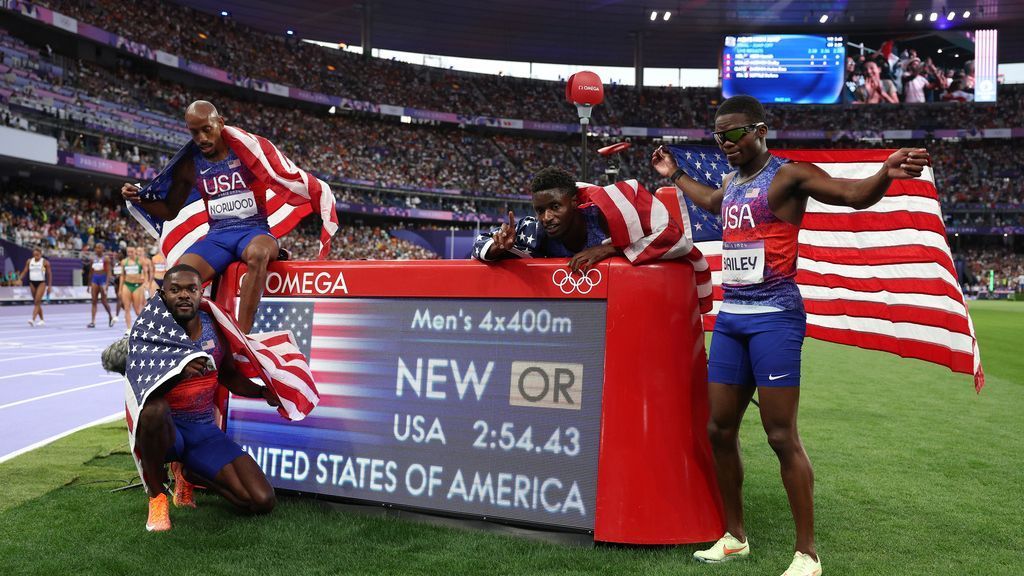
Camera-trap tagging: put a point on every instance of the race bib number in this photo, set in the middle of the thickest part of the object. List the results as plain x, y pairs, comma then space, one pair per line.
97, 266
241, 205
132, 269
743, 262
160, 267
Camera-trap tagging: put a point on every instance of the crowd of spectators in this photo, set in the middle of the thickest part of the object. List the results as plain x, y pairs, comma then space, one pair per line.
353, 242
378, 161
883, 77
62, 222
248, 53
1007, 270
383, 153
65, 223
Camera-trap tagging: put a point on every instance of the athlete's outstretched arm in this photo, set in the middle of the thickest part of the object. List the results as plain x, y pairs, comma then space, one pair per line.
182, 182
706, 197
812, 181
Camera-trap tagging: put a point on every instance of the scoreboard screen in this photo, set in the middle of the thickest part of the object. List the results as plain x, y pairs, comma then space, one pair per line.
784, 68
478, 407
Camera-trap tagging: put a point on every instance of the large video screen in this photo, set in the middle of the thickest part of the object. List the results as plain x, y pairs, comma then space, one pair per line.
485, 408
928, 66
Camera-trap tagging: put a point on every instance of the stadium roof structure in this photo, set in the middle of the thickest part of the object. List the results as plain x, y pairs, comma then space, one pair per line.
603, 32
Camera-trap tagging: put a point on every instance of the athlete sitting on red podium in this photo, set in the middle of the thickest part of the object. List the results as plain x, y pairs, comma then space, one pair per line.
234, 173
588, 224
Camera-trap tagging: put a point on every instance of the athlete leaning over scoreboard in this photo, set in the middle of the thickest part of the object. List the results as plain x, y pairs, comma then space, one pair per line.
576, 223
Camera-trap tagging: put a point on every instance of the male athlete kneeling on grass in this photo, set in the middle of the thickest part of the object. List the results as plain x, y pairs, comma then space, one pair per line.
176, 420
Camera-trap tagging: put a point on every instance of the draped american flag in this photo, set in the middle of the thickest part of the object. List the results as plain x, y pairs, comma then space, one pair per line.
640, 224
292, 194
881, 278
159, 349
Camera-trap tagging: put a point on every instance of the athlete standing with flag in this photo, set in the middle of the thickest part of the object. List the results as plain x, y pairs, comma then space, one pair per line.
760, 328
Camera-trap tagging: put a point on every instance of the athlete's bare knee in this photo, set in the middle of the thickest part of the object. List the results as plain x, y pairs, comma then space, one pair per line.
257, 258
262, 501
720, 434
783, 440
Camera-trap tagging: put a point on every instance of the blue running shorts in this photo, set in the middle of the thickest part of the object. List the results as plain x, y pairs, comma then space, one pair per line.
202, 448
757, 349
222, 247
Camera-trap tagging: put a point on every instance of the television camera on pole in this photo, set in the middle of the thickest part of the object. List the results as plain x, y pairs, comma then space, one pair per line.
610, 153
585, 90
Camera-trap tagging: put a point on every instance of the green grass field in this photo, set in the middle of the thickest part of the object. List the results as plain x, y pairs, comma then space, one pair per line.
916, 474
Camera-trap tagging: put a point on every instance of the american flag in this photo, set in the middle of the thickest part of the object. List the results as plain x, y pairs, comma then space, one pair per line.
880, 278
296, 317
640, 225
351, 354
158, 350
292, 194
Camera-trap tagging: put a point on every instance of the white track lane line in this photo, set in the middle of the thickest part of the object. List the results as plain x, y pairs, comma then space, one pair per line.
52, 394
37, 372
61, 353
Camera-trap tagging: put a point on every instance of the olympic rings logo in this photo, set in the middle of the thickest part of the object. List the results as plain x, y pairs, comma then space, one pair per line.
568, 283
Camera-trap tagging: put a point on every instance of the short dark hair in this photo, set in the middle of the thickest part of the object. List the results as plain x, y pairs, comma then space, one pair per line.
553, 177
182, 268
743, 104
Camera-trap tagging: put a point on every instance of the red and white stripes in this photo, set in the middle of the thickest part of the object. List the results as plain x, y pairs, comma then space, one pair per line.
639, 224
881, 278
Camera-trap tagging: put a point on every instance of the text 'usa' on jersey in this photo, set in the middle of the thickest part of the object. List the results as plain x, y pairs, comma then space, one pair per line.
759, 250
227, 189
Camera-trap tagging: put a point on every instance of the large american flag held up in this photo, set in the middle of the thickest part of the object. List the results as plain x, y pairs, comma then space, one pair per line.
880, 278
158, 350
292, 194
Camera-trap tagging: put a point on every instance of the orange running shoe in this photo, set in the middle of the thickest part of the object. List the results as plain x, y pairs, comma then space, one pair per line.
159, 516
182, 487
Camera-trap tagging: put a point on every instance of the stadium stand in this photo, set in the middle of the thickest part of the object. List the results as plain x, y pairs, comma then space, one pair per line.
128, 112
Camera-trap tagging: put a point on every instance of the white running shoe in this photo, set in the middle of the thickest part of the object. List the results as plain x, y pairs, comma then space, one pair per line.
32, 323
803, 565
727, 548
40, 322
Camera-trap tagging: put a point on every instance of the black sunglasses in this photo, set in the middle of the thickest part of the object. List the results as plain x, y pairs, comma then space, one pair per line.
734, 135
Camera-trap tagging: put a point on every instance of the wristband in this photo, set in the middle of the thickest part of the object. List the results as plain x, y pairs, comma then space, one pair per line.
677, 174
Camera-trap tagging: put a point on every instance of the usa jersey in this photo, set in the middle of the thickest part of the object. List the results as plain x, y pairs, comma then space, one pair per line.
192, 399
759, 250
227, 189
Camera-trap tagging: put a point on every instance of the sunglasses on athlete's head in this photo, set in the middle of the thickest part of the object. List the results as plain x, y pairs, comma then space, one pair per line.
734, 135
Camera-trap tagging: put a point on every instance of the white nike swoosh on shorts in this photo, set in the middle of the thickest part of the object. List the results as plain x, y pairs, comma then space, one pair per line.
773, 377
